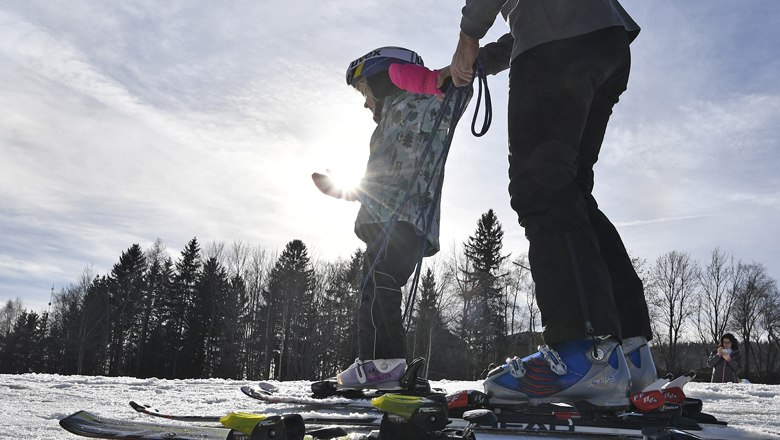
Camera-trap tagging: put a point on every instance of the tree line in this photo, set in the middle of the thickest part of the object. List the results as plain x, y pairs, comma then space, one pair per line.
242, 312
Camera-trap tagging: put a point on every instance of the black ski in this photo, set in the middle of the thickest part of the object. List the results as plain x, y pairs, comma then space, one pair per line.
87, 424
363, 404
367, 420
284, 427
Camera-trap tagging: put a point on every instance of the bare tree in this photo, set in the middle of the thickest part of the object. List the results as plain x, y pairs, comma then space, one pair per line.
672, 293
8, 315
519, 284
255, 278
643, 271
751, 298
770, 319
236, 259
716, 299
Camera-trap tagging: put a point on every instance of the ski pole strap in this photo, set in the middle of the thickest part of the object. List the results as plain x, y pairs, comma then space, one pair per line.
481, 78
460, 98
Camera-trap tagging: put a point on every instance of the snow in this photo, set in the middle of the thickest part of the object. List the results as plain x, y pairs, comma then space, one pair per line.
34, 403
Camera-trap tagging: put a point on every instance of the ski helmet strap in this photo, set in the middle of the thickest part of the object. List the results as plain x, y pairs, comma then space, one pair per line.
379, 60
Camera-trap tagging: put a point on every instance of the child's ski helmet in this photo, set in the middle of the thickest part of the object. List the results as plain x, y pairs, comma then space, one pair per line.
379, 60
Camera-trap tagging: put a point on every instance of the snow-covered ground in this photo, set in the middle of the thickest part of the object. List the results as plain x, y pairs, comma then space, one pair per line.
33, 403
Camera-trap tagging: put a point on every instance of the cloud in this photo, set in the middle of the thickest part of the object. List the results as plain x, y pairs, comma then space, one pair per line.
124, 122
659, 220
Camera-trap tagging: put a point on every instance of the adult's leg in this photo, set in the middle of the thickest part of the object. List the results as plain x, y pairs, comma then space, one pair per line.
552, 88
627, 287
379, 318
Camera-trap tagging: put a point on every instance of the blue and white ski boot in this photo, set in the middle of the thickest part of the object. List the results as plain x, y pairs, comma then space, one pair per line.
589, 373
640, 363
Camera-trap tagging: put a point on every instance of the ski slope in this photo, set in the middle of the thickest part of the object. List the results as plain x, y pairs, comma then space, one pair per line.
34, 403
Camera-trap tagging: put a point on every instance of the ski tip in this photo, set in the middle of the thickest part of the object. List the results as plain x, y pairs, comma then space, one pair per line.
137, 406
480, 417
267, 386
254, 391
71, 422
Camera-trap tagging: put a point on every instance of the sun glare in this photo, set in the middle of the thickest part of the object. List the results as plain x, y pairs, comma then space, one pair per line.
346, 180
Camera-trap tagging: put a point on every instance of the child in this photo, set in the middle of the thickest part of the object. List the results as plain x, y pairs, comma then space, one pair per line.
405, 102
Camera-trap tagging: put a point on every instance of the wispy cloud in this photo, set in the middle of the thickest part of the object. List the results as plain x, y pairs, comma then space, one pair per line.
124, 122
659, 220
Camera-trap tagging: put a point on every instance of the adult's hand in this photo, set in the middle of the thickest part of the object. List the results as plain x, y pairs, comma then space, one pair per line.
462, 67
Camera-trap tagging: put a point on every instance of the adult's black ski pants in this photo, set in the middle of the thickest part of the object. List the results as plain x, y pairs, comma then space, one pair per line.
560, 100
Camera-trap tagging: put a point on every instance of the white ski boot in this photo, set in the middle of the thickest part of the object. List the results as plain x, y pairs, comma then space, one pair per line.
381, 374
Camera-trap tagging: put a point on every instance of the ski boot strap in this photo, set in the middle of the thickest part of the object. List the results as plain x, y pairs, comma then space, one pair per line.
553, 360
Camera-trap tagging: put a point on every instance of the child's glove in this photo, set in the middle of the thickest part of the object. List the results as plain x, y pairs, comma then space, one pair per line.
414, 78
324, 183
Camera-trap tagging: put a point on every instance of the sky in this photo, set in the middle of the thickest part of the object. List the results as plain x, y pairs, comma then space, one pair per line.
129, 122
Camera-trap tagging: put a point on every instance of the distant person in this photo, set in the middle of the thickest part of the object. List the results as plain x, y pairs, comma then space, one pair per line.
726, 360
404, 99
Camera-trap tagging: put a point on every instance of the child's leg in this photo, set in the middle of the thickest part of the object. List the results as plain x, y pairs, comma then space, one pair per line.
379, 320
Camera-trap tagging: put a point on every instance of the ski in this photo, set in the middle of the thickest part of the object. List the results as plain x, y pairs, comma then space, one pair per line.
367, 420
362, 403
328, 394
87, 424
146, 409
404, 417
286, 427
549, 418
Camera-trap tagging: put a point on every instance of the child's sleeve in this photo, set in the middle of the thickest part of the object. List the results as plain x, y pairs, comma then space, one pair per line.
414, 78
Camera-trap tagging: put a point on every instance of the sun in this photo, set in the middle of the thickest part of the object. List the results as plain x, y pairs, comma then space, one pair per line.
346, 179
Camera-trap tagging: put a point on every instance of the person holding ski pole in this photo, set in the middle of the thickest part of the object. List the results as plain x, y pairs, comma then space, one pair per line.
569, 62
399, 196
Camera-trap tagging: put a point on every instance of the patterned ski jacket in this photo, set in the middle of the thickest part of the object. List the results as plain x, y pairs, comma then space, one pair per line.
397, 147
723, 370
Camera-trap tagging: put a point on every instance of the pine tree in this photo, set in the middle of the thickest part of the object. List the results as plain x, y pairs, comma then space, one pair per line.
483, 324
211, 301
95, 329
337, 315
127, 284
229, 342
428, 326
288, 302
17, 353
155, 359
178, 315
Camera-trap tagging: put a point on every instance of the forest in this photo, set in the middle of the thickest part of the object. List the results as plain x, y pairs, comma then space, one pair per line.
243, 312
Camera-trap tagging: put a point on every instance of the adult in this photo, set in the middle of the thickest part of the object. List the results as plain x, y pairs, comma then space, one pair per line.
726, 360
569, 62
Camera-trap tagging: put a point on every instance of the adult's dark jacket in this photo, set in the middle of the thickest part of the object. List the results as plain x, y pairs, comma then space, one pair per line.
723, 370
535, 22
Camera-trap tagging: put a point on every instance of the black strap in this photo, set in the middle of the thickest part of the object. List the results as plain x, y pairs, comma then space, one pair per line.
481, 78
